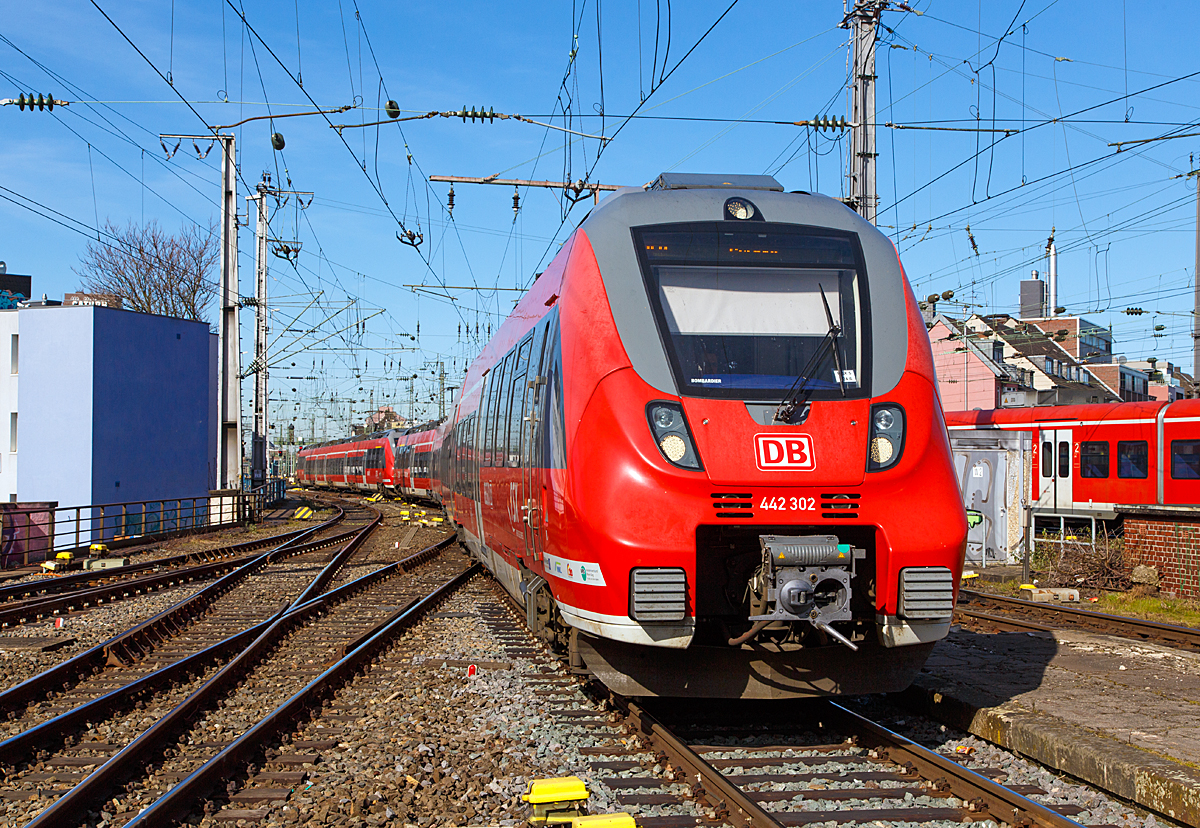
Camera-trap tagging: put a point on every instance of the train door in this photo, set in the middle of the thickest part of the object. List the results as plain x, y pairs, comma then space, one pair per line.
531, 446
477, 439
1055, 469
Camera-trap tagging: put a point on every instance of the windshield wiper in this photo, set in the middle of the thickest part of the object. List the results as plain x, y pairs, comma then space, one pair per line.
802, 388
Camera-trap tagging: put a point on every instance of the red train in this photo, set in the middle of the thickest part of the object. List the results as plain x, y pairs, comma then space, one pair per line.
1094, 459
706, 452
397, 462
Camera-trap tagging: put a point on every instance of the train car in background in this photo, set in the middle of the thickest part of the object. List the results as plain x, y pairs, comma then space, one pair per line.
1092, 460
705, 450
360, 463
414, 460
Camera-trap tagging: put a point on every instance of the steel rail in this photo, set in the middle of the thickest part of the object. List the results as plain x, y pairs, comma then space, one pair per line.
15, 748
982, 796
35, 609
1087, 619
180, 800
139, 639
979, 792
319, 583
99, 785
683, 756
63, 583
19, 747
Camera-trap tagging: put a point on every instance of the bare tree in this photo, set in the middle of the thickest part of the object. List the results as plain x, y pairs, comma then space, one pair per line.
153, 271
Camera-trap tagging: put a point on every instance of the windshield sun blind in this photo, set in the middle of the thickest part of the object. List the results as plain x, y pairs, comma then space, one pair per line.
740, 312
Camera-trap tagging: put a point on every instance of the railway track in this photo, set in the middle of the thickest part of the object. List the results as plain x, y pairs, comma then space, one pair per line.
35, 599
837, 767
1003, 613
247, 595
195, 728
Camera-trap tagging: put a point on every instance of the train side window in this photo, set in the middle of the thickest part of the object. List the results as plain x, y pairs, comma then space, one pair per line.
1093, 459
499, 427
516, 414
1133, 459
1047, 459
1185, 459
486, 413
1064, 458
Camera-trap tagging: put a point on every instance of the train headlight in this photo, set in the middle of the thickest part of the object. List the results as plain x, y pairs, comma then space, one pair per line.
887, 436
671, 433
673, 447
881, 450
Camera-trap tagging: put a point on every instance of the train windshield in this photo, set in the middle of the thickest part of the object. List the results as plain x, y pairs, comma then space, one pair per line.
741, 312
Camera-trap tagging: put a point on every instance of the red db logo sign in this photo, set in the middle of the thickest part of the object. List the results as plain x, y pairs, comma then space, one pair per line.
783, 451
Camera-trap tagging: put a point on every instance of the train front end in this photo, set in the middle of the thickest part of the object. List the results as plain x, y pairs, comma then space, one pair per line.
758, 464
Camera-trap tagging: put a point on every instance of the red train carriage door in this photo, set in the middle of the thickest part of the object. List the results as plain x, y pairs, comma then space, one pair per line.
531, 446
1056, 464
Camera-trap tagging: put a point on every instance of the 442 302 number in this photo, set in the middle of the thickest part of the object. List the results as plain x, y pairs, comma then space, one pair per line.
788, 504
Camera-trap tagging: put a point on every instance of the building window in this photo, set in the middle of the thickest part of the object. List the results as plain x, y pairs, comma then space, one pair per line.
997, 351
1133, 459
15, 351
12, 432
1093, 459
1185, 459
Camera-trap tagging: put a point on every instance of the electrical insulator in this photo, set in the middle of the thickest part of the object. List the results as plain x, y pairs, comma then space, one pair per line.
516, 202
42, 102
450, 201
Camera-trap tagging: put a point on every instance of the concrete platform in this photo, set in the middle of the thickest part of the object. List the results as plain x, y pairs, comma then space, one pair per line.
1119, 714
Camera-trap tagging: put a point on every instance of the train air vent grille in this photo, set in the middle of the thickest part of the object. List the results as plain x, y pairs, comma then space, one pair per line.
840, 505
926, 592
726, 502
658, 594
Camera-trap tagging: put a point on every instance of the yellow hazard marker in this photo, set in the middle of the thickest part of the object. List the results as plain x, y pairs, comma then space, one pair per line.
303, 513
618, 820
98, 550
557, 801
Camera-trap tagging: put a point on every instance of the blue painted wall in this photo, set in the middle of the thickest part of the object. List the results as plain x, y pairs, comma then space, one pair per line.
54, 433
151, 407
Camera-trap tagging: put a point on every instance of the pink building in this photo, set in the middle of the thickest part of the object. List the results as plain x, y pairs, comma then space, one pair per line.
986, 362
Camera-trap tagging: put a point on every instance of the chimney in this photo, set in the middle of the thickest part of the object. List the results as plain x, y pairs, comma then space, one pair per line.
1033, 297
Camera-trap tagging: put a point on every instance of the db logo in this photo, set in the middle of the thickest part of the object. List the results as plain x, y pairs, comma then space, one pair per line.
783, 451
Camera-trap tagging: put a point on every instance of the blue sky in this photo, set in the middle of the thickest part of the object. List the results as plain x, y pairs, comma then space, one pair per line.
1060, 74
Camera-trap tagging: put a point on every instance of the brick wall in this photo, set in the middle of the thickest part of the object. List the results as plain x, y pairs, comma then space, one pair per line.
1172, 545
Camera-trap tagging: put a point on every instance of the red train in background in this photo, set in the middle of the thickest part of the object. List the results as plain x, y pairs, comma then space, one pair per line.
397, 462
1094, 459
705, 451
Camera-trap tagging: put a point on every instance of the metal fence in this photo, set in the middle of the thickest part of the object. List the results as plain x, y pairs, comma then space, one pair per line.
34, 532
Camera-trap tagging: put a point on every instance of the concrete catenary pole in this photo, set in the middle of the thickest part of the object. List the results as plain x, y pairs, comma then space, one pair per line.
863, 21
258, 446
229, 345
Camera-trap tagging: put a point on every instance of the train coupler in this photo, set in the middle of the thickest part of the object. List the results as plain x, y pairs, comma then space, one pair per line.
804, 578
